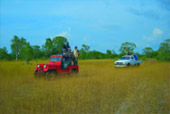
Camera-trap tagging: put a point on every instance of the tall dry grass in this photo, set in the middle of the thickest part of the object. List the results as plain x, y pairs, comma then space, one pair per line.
98, 88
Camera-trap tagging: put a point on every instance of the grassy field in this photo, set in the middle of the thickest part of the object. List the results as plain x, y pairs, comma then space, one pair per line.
99, 88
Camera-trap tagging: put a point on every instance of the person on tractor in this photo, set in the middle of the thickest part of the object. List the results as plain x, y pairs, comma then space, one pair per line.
64, 53
69, 53
135, 56
67, 56
66, 46
70, 56
75, 54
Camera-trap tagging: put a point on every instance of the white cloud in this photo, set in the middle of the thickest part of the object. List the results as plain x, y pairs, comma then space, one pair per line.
65, 33
156, 33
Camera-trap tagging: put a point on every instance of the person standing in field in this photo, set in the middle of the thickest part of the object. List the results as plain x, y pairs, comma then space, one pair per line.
70, 56
75, 54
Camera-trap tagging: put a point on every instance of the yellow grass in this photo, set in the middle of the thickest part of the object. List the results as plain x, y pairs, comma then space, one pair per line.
99, 88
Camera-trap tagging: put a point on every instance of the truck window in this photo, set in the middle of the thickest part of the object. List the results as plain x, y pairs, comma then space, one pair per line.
132, 58
124, 58
55, 59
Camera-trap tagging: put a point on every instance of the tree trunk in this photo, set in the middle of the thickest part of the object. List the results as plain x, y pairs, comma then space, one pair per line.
16, 56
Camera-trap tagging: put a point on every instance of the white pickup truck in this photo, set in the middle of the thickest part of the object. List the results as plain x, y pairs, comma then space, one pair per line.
128, 60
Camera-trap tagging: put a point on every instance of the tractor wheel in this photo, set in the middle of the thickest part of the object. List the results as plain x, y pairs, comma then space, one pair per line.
138, 64
128, 64
74, 71
50, 74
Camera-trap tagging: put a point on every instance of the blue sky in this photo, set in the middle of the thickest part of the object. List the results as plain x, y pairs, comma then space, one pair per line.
101, 24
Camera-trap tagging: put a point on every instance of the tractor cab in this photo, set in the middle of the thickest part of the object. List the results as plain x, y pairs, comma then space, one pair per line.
61, 60
66, 61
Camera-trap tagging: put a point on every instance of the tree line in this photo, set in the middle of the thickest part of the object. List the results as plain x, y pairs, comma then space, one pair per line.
23, 50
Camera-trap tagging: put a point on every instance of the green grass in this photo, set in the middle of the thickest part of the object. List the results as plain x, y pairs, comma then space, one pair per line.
98, 88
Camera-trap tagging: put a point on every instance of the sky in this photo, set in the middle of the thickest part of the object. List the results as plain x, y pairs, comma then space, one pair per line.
101, 24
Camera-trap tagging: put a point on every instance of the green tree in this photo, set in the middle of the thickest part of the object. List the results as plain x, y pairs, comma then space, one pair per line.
164, 51
36, 52
3, 53
54, 46
109, 53
58, 43
48, 47
83, 51
114, 53
26, 53
86, 48
127, 47
95, 55
148, 51
16, 45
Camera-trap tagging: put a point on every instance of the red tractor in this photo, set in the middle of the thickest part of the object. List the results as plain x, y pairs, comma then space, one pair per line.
58, 64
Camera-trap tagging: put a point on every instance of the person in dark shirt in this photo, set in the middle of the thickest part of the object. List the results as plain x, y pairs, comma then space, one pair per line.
70, 55
66, 46
128, 53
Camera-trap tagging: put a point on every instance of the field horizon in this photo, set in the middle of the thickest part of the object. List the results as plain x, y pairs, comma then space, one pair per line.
98, 88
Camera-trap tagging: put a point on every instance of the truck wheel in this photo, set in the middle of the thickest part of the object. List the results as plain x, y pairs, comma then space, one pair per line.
138, 64
128, 64
50, 74
74, 71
